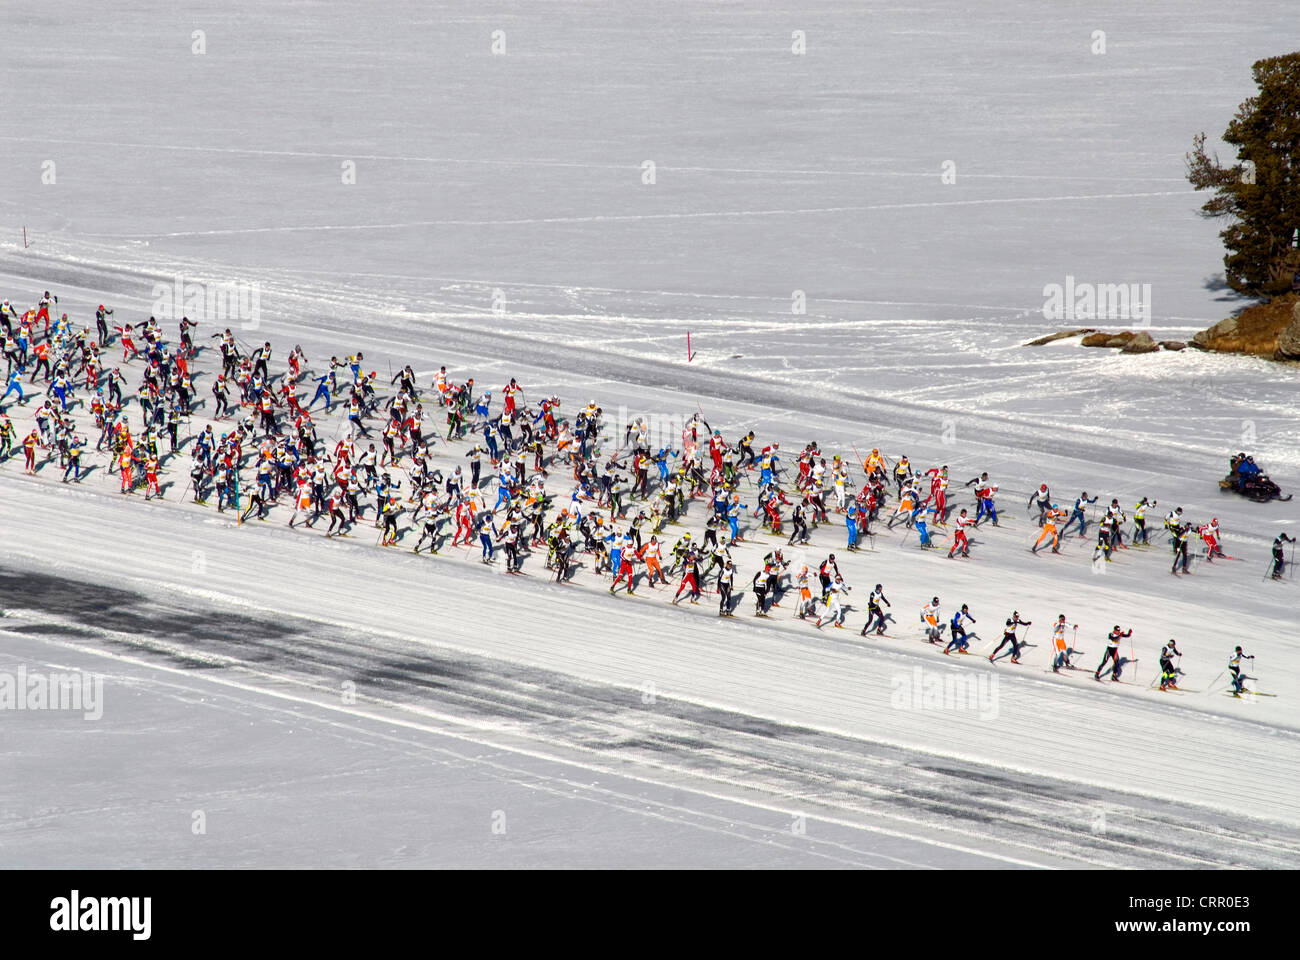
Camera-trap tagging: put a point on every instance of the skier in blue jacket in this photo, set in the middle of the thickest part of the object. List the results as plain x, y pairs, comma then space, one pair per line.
958, 631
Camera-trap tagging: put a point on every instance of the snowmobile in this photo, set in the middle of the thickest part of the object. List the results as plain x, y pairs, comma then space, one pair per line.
1246, 478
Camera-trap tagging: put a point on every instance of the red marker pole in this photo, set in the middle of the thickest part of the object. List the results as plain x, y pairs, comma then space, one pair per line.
689, 357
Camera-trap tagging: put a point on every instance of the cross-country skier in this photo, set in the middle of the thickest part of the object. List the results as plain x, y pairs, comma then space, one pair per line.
1043, 497
1279, 555
1209, 534
851, 524
1168, 675
930, 618
1172, 519
907, 499
75, 446
392, 509
1115, 520
1103, 548
759, 586
258, 501
652, 553
828, 571
957, 631
323, 385
625, 569
806, 602
1061, 655
1181, 533
1050, 518
15, 385
959, 541
7, 434
1140, 531
1079, 513
220, 391
902, 473
726, 583
986, 508
939, 491
799, 524
833, 612
1009, 636
30, 443
1111, 655
101, 324
875, 612
1234, 669
487, 533
430, 530
922, 529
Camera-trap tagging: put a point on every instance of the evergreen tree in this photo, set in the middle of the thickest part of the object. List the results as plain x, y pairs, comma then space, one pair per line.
1261, 191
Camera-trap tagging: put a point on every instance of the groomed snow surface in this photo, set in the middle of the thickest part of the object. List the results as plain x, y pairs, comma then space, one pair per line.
316, 702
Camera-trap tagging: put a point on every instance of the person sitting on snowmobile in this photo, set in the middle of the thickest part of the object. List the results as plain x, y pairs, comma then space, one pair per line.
1244, 468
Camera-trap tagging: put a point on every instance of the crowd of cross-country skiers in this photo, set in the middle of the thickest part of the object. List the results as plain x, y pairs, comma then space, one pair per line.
270, 456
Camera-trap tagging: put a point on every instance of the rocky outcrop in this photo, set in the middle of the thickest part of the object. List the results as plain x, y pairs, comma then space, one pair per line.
1104, 339
1128, 341
1100, 339
1140, 343
1288, 341
1222, 331
1060, 335
1264, 330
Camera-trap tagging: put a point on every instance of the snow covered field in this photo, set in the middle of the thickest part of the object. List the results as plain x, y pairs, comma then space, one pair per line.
499, 225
